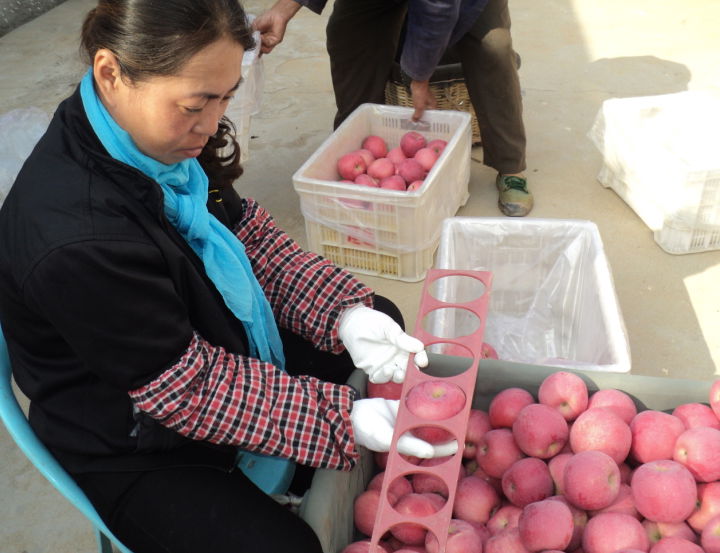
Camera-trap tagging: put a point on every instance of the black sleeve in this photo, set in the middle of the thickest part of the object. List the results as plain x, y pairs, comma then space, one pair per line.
115, 305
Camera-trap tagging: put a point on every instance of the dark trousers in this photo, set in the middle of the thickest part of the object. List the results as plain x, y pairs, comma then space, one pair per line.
196, 509
363, 37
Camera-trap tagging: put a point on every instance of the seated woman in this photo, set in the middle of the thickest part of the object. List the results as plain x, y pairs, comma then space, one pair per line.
157, 321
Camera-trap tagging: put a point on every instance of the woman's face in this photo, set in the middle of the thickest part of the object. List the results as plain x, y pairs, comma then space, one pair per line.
171, 118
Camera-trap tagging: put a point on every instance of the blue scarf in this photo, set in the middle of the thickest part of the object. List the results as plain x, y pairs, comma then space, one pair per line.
185, 191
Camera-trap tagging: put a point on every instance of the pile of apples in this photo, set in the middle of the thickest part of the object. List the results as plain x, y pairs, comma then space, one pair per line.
569, 471
401, 168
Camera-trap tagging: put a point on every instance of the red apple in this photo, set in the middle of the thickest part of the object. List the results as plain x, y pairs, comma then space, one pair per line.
411, 170
566, 392
601, 429
415, 185
624, 503
396, 155
462, 538
710, 537
497, 451
393, 182
397, 488
426, 157
540, 431
715, 398
365, 509
505, 406
592, 480
659, 530
580, 518
376, 145
435, 400
367, 156
366, 180
380, 168
608, 532
487, 351
505, 517
424, 482
616, 400
696, 414
546, 525
664, 491
526, 481
556, 465
415, 505
708, 505
350, 166
507, 541
698, 449
653, 435
675, 545
411, 142
475, 500
438, 145
477, 425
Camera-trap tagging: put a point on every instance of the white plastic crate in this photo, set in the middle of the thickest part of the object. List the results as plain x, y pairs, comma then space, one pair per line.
660, 155
375, 231
553, 301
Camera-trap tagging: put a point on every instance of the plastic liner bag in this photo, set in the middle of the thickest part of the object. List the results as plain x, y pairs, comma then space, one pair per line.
20, 129
247, 99
552, 300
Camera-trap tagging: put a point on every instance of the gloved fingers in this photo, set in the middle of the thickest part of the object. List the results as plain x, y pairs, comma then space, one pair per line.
404, 341
446, 449
421, 359
408, 444
381, 374
399, 375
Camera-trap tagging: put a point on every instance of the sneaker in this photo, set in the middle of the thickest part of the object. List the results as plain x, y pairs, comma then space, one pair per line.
515, 199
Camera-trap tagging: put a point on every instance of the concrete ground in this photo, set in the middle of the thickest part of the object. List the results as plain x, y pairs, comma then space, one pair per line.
576, 53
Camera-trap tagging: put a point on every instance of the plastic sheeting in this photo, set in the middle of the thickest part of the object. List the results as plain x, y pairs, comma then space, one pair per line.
552, 301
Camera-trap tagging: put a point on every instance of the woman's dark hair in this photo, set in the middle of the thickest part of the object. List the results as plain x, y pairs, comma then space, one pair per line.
155, 38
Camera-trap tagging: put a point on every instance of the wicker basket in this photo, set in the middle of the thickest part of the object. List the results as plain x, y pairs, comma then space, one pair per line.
450, 93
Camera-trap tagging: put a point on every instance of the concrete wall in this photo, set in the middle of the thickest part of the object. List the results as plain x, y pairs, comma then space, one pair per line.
14, 13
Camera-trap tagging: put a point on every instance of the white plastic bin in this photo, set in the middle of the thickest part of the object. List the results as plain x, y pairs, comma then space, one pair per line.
553, 301
380, 232
660, 155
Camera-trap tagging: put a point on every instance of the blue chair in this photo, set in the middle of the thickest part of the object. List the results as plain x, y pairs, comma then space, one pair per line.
19, 428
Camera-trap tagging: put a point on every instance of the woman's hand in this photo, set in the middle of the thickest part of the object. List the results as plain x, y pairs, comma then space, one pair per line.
373, 422
378, 345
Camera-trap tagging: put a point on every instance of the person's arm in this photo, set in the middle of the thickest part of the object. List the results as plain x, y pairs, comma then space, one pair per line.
210, 394
429, 26
307, 292
115, 305
272, 23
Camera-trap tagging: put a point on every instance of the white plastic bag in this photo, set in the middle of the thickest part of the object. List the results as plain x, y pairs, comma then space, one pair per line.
248, 96
20, 129
552, 301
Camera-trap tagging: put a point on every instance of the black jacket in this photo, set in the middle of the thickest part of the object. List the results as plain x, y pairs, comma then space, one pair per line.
77, 216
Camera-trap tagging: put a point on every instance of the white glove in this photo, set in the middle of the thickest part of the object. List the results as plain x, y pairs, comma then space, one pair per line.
373, 421
378, 345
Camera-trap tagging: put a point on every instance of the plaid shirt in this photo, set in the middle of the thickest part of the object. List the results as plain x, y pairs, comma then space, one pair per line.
218, 396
